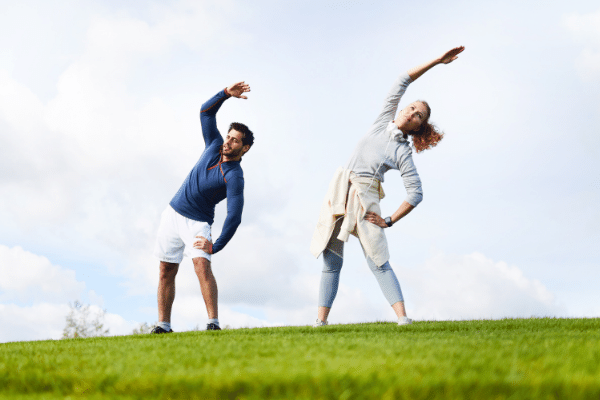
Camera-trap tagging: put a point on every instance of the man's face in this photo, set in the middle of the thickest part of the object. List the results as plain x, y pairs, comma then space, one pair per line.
233, 146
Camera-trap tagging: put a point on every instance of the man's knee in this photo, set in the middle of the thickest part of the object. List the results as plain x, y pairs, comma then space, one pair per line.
168, 270
202, 267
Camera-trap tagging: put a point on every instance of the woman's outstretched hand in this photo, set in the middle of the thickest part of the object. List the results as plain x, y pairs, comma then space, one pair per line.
446, 58
237, 90
451, 55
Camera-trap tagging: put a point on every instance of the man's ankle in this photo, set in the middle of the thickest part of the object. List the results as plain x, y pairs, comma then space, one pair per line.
165, 325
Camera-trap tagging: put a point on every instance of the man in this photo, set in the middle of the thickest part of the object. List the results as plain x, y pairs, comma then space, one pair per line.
188, 218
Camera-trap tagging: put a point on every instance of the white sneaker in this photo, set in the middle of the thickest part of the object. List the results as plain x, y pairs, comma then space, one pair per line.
319, 323
404, 321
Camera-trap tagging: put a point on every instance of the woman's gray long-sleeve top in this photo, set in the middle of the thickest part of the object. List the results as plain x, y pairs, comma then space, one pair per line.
384, 148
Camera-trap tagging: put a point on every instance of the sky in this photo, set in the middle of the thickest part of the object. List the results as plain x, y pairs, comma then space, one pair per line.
99, 127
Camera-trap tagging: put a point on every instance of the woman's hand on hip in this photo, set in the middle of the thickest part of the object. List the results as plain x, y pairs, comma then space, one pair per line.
375, 219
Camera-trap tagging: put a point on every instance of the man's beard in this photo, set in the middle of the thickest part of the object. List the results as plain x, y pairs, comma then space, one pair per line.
232, 153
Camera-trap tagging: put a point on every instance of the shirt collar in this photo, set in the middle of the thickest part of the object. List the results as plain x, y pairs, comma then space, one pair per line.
393, 130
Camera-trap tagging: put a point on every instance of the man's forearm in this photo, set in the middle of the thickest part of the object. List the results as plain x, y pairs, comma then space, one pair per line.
229, 228
212, 105
208, 118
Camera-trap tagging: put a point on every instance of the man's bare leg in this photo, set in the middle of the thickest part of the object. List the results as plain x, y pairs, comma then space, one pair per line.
208, 286
166, 290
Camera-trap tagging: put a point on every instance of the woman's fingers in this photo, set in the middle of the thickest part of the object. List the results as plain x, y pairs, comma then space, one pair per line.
452, 55
373, 218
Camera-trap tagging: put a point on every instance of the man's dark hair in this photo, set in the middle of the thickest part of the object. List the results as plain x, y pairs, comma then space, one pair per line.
247, 135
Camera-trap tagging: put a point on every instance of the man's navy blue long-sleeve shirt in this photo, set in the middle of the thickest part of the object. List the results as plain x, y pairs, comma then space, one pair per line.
209, 181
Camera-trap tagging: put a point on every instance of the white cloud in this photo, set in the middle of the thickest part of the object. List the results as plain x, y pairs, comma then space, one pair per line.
116, 324
259, 268
198, 23
19, 106
38, 322
588, 64
586, 30
473, 287
28, 277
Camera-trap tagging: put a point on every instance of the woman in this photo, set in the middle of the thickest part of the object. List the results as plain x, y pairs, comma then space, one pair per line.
352, 202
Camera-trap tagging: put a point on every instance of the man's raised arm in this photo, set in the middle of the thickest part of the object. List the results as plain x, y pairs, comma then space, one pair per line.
208, 111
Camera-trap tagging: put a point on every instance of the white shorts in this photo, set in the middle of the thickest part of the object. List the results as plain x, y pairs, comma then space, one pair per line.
177, 232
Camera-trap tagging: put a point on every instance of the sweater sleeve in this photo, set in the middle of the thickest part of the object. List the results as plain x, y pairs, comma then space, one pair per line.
412, 182
208, 117
390, 104
235, 205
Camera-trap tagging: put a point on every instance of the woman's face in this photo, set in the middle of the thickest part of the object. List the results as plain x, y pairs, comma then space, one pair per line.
411, 117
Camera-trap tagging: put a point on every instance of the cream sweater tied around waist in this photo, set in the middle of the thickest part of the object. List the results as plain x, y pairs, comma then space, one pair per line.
350, 197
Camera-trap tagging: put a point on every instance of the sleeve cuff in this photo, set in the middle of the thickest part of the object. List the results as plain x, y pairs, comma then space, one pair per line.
415, 199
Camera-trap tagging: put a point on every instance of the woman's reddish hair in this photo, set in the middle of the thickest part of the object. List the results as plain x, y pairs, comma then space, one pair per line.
428, 135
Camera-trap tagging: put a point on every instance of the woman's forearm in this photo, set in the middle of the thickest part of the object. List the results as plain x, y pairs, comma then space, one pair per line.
378, 220
446, 58
417, 71
404, 209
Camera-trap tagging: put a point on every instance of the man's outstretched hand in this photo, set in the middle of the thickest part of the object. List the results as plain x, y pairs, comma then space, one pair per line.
238, 89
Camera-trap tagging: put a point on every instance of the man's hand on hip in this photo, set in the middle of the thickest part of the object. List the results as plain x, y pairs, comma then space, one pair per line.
203, 244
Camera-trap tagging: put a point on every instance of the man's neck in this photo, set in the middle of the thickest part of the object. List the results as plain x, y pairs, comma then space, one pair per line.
227, 159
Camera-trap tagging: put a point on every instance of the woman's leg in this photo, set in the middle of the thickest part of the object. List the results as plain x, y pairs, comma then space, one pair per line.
333, 258
388, 282
330, 280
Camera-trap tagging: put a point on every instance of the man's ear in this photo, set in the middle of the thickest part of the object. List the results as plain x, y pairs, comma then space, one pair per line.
246, 148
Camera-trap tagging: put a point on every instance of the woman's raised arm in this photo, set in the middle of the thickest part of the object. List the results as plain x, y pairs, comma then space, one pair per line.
446, 58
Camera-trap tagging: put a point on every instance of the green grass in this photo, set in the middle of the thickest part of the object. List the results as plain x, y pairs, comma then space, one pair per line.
511, 358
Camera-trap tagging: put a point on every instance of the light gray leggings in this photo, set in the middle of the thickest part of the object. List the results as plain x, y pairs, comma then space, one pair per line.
332, 265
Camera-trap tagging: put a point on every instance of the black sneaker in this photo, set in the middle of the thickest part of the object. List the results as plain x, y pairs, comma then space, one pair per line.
157, 329
213, 327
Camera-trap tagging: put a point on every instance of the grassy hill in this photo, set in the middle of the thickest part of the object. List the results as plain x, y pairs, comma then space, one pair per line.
511, 358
